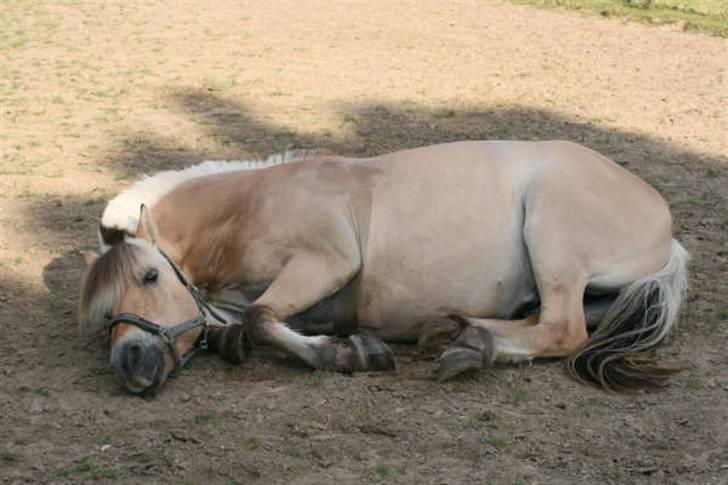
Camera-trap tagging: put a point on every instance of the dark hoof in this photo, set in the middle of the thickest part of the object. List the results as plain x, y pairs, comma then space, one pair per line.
474, 349
373, 353
232, 343
456, 361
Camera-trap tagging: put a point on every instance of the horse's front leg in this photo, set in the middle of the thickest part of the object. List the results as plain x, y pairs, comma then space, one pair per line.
354, 353
305, 280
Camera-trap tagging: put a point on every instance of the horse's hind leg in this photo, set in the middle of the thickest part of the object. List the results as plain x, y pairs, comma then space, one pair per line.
476, 346
559, 330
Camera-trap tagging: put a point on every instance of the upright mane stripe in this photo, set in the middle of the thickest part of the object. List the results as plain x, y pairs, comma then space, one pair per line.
122, 212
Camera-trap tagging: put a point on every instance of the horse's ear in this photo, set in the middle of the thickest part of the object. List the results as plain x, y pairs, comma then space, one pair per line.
147, 229
89, 256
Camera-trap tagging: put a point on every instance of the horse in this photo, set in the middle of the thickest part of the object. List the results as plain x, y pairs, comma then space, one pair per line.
514, 250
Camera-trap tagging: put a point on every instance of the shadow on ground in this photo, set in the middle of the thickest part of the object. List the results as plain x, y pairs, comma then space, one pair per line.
686, 178
39, 328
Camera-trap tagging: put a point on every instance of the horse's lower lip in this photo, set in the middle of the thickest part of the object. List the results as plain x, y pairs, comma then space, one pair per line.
139, 384
142, 383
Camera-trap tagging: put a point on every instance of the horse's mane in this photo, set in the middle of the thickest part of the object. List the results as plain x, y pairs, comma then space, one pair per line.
107, 278
122, 212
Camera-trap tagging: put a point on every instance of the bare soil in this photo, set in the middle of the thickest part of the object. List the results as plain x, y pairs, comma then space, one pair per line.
95, 94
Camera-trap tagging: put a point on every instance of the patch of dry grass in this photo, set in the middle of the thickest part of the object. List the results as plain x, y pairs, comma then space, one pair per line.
710, 16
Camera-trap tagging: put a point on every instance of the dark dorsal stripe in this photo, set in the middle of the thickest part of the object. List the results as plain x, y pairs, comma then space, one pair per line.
112, 235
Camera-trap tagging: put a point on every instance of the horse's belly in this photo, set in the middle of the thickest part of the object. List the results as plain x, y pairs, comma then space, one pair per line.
407, 289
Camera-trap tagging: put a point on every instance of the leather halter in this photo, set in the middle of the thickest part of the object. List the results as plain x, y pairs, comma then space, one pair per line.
169, 334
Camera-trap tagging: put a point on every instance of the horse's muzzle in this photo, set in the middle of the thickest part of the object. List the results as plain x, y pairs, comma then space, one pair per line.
138, 362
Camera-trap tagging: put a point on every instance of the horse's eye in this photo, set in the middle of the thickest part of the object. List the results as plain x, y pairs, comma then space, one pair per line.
150, 277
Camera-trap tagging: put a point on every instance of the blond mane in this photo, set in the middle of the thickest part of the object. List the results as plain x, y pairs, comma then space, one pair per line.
122, 212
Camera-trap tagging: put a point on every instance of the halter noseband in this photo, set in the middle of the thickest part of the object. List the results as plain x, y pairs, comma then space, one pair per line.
169, 334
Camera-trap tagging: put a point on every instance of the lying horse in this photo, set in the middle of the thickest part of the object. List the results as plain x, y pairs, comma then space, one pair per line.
532, 249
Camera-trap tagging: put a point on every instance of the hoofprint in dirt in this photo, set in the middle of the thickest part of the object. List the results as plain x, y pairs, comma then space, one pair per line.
95, 94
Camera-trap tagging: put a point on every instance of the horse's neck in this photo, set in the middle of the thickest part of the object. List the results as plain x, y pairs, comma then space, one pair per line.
121, 214
193, 228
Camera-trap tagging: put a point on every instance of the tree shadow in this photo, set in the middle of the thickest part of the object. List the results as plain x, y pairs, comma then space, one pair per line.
373, 128
39, 332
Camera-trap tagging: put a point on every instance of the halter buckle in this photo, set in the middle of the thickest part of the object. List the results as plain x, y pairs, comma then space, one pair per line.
203, 343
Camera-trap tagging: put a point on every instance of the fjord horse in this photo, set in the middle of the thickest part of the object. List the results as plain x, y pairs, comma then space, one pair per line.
531, 249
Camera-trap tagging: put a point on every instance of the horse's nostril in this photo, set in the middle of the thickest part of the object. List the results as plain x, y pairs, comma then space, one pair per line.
135, 352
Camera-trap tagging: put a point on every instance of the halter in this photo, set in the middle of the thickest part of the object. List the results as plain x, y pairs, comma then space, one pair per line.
169, 334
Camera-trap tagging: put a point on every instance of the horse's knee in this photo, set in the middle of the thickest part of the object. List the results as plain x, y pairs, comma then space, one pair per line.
256, 318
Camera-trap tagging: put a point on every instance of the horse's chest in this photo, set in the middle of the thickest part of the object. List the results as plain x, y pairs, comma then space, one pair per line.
257, 268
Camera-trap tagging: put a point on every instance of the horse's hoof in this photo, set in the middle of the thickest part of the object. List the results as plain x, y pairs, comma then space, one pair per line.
474, 349
373, 353
456, 361
232, 343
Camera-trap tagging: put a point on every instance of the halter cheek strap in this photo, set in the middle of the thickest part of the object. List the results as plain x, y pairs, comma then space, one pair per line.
169, 334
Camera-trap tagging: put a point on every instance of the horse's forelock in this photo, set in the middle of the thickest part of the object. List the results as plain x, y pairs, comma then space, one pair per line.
111, 236
104, 282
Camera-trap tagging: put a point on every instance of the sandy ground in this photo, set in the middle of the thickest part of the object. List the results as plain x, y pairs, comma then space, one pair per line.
95, 94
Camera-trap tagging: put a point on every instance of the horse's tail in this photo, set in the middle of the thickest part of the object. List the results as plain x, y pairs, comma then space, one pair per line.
615, 355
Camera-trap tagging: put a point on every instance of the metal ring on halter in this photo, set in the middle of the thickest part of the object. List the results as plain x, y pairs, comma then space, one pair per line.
169, 334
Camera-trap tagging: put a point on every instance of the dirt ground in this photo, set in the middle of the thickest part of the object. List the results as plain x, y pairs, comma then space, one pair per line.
95, 94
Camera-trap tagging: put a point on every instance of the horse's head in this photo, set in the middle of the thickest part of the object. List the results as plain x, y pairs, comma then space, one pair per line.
155, 317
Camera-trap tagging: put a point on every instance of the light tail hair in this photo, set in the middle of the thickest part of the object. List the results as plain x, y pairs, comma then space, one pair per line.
616, 355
